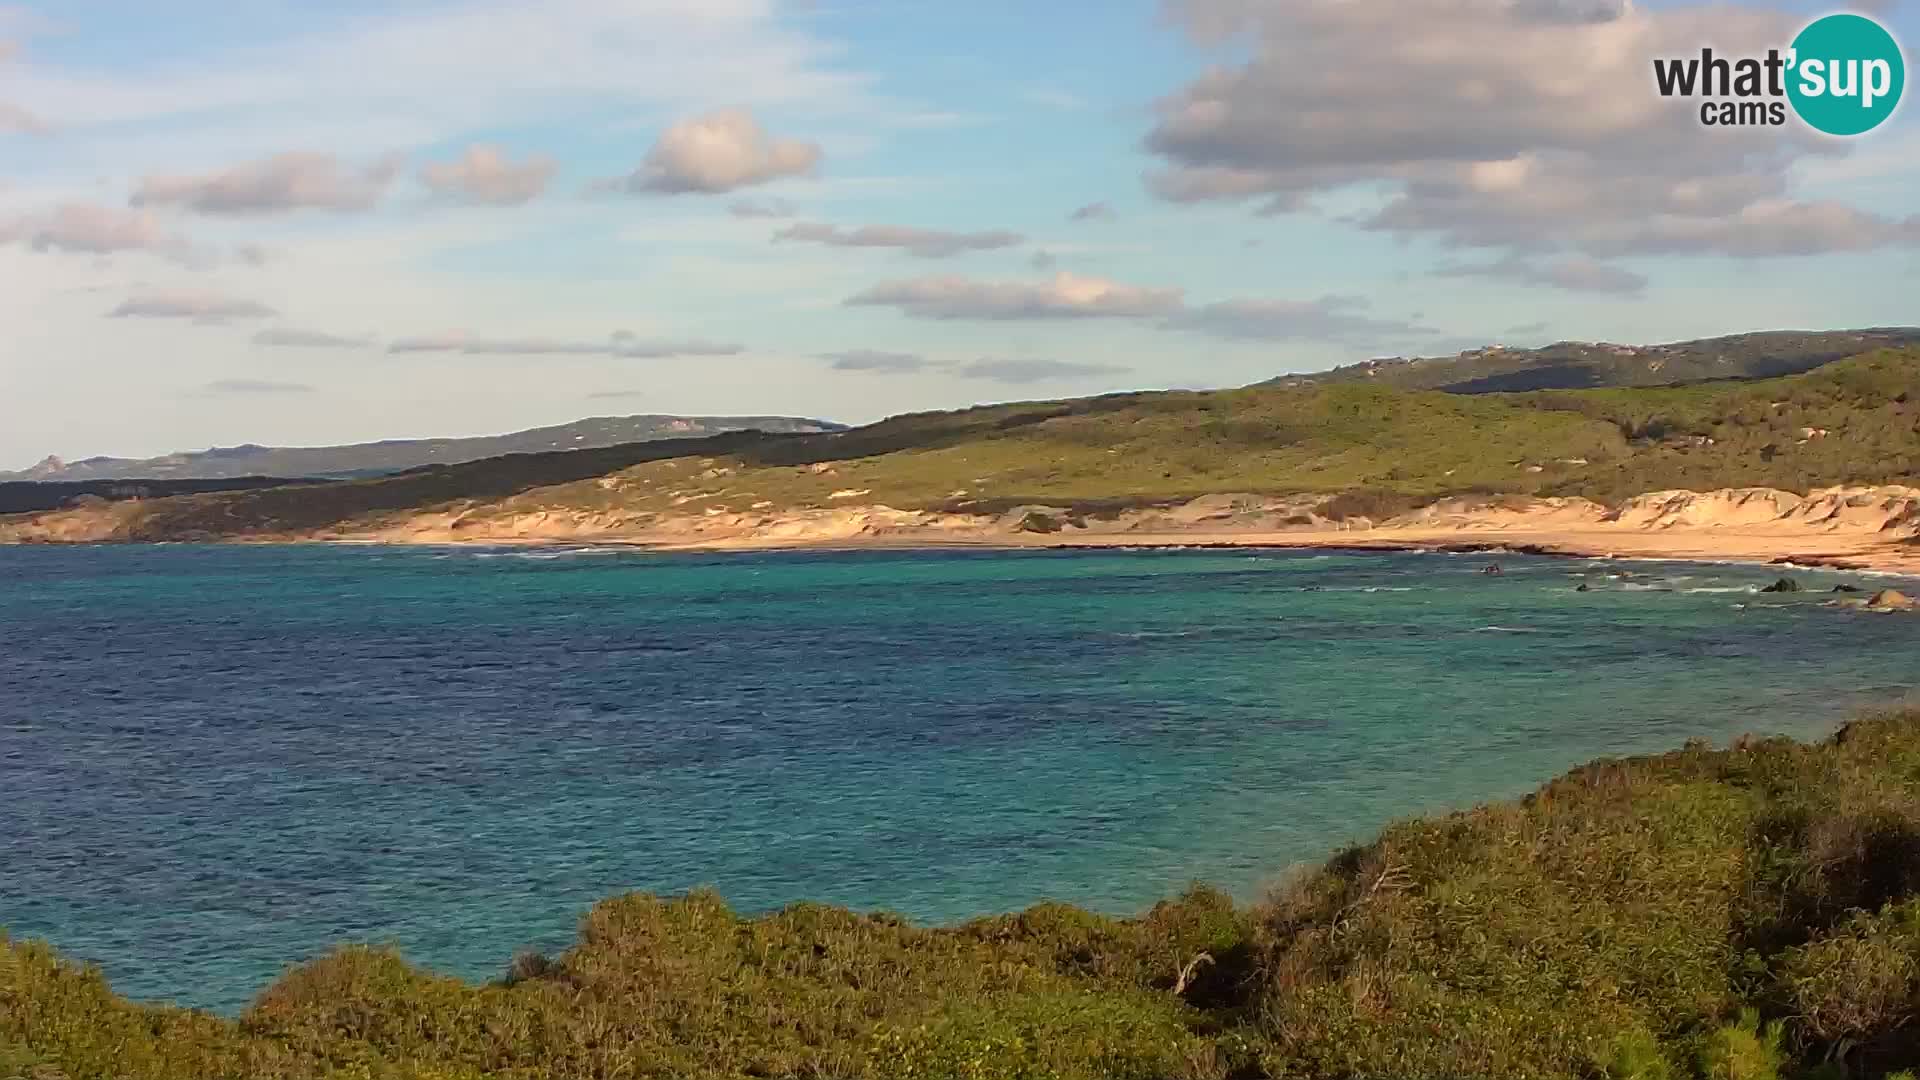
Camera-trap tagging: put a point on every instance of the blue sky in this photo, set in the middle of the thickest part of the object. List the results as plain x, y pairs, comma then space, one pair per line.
304, 223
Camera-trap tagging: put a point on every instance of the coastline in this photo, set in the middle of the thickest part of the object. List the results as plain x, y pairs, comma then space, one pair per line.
1863, 529
1872, 555
1720, 547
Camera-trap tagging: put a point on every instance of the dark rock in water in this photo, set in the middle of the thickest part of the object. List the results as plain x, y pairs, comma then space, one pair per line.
1891, 600
1493, 568
1584, 587
1784, 585
1847, 588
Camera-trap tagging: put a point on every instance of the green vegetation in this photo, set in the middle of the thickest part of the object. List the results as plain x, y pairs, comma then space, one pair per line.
1743, 914
1579, 365
1397, 448
1858, 420
1855, 421
25, 496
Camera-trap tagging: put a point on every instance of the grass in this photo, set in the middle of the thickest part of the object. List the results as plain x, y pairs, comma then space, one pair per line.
1750, 913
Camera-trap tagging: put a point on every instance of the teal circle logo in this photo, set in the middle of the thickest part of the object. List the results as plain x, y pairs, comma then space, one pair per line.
1847, 74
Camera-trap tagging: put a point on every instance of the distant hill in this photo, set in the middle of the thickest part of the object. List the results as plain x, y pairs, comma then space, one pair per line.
361, 460
1854, 421
1582, 365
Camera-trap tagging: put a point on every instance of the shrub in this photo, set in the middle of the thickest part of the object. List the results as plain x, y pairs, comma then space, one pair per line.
1372, 504
1861, 982
1746, 1050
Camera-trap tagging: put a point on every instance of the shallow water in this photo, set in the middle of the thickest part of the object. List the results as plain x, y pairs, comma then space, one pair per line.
215, 761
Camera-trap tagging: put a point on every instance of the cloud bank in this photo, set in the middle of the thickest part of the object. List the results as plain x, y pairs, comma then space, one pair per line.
1524, 125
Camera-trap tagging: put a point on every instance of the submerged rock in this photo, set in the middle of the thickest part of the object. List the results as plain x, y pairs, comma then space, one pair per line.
1784, 585
1891, 600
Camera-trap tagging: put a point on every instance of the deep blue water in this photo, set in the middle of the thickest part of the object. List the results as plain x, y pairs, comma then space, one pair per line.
216, 761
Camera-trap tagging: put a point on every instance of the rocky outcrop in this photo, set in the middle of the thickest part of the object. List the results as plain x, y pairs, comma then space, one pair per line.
93, 523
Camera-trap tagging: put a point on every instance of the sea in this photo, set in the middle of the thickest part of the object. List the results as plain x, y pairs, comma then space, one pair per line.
219, 761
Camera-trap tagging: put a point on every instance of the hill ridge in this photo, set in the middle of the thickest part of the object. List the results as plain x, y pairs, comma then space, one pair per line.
386, 456
1578, 365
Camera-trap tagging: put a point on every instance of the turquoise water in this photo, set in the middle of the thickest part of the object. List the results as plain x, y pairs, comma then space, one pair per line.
216, 761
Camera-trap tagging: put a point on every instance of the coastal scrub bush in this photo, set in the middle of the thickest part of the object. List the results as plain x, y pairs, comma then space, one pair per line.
1370, 503
1859, 983
1745, 1050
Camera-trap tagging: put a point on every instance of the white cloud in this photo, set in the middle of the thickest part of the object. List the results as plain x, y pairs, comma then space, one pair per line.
1328, 319
15, 119
925, 243
619, 344
95, 230
1574, 273
484, 174
640, 349
1065, 296
288, 337
1768, 227
287, 181
876, 361
761, 208
716, 152
1033, 371
203, 307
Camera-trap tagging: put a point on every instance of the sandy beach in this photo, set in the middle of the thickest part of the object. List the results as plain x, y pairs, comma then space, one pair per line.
1875, 529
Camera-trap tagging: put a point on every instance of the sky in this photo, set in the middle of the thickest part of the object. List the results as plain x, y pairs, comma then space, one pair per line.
303, 223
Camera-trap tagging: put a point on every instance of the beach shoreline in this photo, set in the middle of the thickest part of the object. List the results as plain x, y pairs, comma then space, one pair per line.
1865, 529
1892, 558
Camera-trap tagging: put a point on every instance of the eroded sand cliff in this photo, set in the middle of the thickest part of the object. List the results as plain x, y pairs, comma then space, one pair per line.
1867, 527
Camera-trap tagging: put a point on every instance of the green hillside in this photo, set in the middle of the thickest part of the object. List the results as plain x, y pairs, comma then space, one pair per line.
1854, 421
1576, 365
1744, 914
